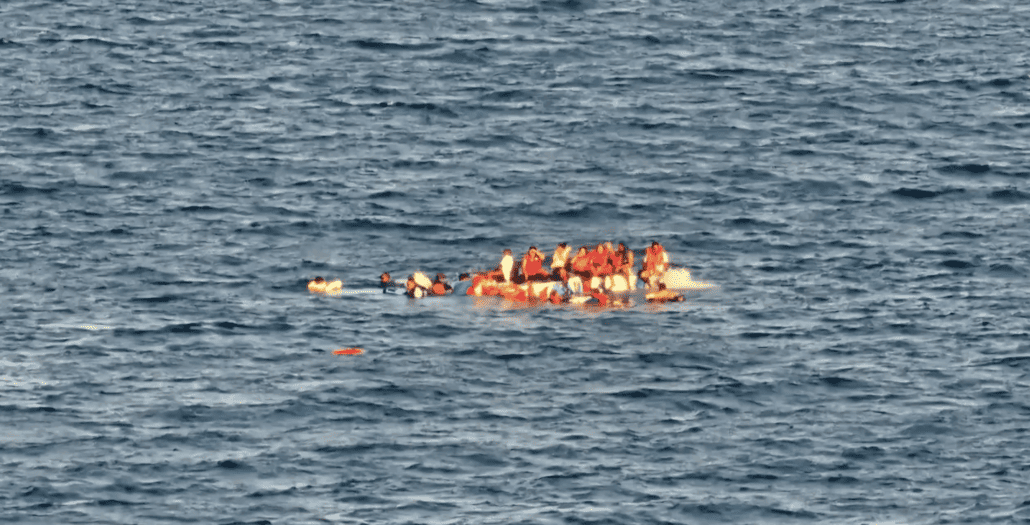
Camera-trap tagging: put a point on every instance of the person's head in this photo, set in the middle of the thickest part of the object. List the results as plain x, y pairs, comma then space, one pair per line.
622, 247
532, 248
599, 247
410, 284
440, 277
507, 251
654, 244
563, 245
608, 246
319, 280
582, 250
385, 277
661, 286
463, 277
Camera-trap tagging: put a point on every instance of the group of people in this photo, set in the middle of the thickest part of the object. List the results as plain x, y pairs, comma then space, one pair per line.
596, 274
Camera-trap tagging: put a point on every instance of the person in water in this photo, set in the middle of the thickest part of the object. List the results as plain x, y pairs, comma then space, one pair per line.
316, 285
663, 295
320, 285
440, 286
386, 282
414, 290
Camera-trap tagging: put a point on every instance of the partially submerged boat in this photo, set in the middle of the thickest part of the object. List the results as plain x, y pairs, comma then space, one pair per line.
611, 288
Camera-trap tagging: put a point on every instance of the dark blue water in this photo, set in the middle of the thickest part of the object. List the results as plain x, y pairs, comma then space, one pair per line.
853, 175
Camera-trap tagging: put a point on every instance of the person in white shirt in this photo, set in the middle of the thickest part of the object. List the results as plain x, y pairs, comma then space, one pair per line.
559, 261
506, 266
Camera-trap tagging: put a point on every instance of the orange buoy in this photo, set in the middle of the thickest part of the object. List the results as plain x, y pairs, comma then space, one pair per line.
348, 351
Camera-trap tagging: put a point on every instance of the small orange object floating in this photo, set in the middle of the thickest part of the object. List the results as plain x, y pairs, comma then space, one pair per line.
348, 351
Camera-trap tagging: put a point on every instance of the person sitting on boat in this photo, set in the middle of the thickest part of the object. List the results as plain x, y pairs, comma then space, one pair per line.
624, 261
533, 266
580, 266
603, 265
663, 295
613, 261
560, 262
656, 263
440, 286
600, 266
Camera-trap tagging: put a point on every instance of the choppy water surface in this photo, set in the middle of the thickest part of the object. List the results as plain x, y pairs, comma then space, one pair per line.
853, 175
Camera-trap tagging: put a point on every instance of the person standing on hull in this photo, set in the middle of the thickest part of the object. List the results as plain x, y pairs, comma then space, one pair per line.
506, 266
656, 263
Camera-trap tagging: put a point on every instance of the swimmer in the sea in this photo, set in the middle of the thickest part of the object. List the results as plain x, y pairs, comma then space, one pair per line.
663, 295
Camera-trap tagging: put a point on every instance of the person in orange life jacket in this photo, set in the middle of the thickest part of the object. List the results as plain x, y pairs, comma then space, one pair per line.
533, 266
656, 262
599, 263
440, 286
414, 290
656, 258
581, 263
560, 262
386, 282
580, 270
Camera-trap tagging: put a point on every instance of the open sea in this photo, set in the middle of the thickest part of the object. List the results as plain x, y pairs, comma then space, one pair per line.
855, 176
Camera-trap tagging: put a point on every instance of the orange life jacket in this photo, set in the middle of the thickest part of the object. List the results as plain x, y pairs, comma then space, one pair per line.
532, 265
599, 263
654, 257
581, 264
439, 289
